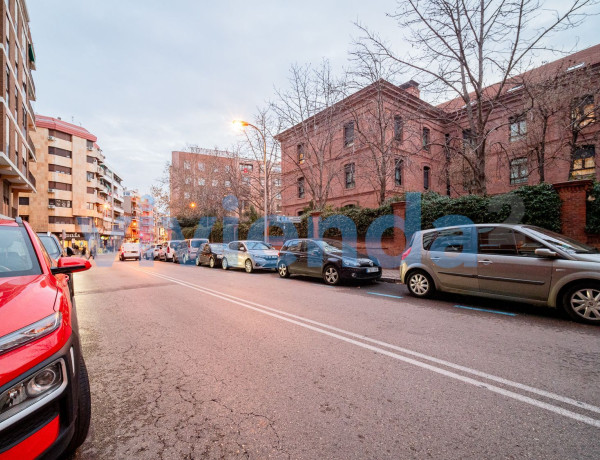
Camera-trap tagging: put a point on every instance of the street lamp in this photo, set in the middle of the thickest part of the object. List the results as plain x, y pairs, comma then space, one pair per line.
240, 124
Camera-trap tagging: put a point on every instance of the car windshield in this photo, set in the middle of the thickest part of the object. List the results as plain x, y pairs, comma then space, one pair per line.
562, 242
176, 244
198, 243
217, 247
17, 257
258, 245
330, 246
51, 248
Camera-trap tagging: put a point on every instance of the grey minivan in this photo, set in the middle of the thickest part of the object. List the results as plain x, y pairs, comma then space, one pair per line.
514, 262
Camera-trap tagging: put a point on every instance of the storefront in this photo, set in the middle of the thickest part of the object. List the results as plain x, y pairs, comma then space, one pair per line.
78, 240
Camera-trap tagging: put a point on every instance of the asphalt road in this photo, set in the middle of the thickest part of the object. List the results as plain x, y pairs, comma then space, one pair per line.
189, 362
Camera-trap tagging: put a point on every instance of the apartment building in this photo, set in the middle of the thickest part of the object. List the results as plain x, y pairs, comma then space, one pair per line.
201, 180
78, 198
133, 215
427, 148
17, 151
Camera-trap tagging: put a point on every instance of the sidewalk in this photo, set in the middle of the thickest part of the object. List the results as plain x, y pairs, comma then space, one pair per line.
390, 275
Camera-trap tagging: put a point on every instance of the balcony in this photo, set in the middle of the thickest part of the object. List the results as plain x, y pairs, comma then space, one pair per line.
19, 177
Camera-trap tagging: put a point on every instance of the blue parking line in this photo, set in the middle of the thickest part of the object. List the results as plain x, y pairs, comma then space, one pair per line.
487, 311
386, 295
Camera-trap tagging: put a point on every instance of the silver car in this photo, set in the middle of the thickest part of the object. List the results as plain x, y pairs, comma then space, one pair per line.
249, 255
513, 262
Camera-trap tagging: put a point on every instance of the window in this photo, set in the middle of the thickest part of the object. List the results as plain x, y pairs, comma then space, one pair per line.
584, 162
468, 141
60, 135
246, 180
526, 246
300, 153
60, 186
518, 127
60, 203
398, 172
186, 195
426, 138
90, 206
582, 113
277, 182
91, 190
60, 152
90, 176
496, 240
215, 182
200, 166
450, 240
61, 169
201, 182
426, 173
187, 165
227, 183
518, 171
89, 144
349, 134
61, 220
349, 175
90, 160
398, 128
246, 168
216, 170
23, 201
188, 180
301, 187
227, 168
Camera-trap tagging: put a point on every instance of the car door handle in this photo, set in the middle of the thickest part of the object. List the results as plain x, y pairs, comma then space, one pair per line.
435, 259
485, 262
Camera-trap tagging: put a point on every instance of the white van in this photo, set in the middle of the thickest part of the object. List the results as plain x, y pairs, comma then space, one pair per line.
129, 251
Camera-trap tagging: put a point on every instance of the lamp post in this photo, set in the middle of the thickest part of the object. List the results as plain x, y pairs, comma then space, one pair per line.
242, 124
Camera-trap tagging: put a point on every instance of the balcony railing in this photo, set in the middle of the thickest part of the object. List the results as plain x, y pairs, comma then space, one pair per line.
31, 178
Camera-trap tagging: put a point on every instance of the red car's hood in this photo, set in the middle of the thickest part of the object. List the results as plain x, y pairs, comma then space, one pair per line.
25, 300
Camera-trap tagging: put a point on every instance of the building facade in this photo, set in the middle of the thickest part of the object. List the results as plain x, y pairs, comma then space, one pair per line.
216, 183
384, 140
78, 197
17, 151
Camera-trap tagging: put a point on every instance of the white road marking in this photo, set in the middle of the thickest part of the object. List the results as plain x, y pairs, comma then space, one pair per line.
302, 322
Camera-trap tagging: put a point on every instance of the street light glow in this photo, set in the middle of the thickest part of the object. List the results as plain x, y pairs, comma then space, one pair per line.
240, 124
192, 205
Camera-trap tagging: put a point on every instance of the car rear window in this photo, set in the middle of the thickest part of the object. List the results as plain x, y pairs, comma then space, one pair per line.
17, 257
50, 244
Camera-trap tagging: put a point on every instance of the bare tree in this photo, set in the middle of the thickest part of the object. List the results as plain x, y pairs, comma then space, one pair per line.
458, 48
307, 108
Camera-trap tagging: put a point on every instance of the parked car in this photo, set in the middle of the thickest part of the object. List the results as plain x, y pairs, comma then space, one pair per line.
188, 252
167, 250
210, 254
45, 404
513, 262
331, 260
129, 251
249, 255
55, 251
151, 252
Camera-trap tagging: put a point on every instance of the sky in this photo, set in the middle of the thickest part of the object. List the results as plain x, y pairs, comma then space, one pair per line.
151, 76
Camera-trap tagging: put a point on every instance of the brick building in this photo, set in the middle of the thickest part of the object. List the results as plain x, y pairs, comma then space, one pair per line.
17, 150
200, 180
544, 124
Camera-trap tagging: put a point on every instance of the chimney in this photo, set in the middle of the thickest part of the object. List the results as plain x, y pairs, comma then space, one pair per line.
411, 87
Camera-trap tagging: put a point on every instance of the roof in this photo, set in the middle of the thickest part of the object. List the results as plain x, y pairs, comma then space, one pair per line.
42, 121
587, 56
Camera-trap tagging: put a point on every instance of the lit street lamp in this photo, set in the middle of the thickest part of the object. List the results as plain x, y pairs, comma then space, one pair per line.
241, 125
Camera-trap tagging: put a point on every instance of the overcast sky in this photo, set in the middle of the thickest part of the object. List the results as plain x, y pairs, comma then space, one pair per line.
150, 76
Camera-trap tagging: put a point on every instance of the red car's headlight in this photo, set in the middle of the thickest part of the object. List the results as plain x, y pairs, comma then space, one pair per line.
29, 333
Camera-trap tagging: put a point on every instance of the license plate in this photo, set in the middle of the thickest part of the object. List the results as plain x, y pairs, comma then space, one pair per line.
372, 270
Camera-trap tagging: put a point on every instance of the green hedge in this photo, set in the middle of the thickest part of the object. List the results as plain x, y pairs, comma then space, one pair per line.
593, 210
531, 204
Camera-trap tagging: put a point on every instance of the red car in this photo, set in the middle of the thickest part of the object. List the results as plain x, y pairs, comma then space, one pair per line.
44, 390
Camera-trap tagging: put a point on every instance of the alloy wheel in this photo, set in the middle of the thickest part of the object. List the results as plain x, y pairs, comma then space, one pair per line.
585, 302
248, 266
224, 264
331, 275
211, 262
283, 270
419, 284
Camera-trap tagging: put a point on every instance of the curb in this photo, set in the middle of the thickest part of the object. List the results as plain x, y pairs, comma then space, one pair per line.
385, 279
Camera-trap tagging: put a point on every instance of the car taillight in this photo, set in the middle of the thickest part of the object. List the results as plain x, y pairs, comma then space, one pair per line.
168, 250
406, 253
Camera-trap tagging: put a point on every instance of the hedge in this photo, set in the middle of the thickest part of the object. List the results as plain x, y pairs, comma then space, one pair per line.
593, 210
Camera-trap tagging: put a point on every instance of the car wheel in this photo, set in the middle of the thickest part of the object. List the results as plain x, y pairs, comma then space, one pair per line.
211, 262
283, 270
581, 302
198, 261
248, 266
420, 284
84, 410
224, 264
331, 275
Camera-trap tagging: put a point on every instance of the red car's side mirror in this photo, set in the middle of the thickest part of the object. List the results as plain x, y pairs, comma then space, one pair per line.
71, 265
